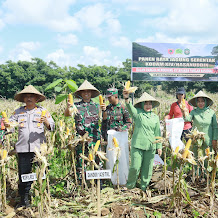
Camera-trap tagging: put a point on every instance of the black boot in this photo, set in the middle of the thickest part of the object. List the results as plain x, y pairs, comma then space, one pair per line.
24, 201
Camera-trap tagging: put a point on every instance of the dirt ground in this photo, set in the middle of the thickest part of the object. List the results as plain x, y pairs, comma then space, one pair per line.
155, 202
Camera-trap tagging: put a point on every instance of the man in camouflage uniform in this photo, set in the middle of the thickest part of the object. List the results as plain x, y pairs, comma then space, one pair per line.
116, 117
86, 120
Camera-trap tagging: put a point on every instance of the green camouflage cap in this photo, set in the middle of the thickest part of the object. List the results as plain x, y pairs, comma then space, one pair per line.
111, 91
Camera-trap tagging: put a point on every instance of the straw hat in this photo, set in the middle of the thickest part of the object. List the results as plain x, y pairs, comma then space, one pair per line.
87, 86
29, 90
200, 94
146, 97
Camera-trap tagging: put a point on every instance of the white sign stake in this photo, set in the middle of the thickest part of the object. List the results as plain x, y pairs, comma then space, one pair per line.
30, 177
98, 174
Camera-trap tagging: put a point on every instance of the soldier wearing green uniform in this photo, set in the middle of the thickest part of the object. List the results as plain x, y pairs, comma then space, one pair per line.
204, 119
86, 120
116, 118
115, 115
147, 127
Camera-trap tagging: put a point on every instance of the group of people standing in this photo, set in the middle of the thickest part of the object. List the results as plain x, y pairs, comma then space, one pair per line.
115, 116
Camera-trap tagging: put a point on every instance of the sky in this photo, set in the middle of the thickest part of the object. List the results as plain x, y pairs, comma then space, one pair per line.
100, 32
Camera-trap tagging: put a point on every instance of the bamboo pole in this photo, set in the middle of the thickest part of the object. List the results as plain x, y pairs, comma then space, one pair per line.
98, 199
165, 169
74, 165
83, 168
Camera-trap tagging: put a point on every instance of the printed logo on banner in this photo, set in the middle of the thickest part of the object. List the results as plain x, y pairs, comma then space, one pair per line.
178, 51
170, 51
187, 51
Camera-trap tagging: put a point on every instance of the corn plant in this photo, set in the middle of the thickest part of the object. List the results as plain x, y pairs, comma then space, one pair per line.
3, 160
117, 152
43, 186
180, 191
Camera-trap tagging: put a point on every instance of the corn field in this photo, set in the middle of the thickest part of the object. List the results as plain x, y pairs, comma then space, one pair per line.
176, 190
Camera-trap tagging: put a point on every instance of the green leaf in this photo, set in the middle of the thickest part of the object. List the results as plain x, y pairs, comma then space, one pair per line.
52, 85
60, 98
157, 214
58, 89
115, 165
72, 85
44, 185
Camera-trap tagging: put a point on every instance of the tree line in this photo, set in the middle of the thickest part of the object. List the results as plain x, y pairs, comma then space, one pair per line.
15, 75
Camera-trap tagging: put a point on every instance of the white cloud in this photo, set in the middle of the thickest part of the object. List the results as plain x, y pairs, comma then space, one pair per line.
69, 39
60, 58
1, 49
22, 51
97, 18
51, 13
122, 42
114, 25
195, 18
31, 46
90, 56
162, 38
2, 24
147, 7
20, 55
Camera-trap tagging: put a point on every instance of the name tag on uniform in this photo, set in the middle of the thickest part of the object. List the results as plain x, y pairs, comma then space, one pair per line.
30, 177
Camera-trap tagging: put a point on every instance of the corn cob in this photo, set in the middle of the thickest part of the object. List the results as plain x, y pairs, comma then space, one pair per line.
191, 158
43, 113
68, 131
130, 89
115, 142
90, 157
3, 153
61, 123
127, 85
207, 151
97, 145
183, 105
5, 116
70, 97
187, 146
101, 100
176, 150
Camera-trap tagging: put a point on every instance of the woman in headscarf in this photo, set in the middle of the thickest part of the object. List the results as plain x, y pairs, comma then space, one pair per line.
204, 119
143, 148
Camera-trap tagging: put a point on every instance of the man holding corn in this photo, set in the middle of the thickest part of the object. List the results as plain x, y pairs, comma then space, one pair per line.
115, 115
86, 119
116, 118
31, 124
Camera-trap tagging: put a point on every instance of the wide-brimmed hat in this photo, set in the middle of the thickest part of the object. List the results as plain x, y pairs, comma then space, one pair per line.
200, 94
180, 90
29, 90
146, 97
87, 86
111, 91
